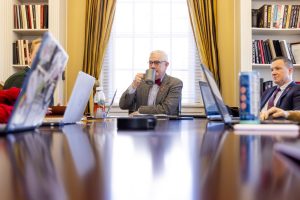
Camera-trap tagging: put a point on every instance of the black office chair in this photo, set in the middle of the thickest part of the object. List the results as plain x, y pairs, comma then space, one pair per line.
16, 80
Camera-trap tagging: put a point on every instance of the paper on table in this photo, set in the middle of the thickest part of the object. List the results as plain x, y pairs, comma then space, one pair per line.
267, 129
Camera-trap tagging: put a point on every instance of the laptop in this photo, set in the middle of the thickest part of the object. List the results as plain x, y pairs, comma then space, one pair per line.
80, 95
111, 103
279, 125
38, 87
210, 106
180, 116
216, 100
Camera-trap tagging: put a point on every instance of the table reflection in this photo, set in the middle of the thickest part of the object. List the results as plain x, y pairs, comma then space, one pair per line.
147, 164
35, 174
190, 160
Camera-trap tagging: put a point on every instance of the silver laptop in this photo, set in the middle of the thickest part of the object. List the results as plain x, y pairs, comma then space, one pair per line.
77, 103
210, 106
216, 96
38, 87
111, 103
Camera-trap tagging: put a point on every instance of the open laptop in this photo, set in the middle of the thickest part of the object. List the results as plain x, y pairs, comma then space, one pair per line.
111, 103
38, 87
226, 117
210, 106
215, 98
77, 103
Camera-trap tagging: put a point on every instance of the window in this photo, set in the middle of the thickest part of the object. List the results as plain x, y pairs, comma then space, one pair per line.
141, 26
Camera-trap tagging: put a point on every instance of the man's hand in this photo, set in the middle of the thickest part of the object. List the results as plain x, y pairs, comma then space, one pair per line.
137, 80
134, 113
274, 113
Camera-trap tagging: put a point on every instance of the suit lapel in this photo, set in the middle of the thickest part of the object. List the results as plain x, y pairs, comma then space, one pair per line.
162, 92
145, 90
267, 97
287, 89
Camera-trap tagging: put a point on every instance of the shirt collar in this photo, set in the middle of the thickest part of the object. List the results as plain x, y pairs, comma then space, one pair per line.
162, 78
283, 87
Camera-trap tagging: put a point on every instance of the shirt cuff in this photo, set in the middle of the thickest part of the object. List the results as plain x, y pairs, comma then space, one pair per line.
131, 90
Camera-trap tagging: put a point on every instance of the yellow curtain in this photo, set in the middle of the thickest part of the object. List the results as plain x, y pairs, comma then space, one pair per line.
203, 20
98, 23
99, 19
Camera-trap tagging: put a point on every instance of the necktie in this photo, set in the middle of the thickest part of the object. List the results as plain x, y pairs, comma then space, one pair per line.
158, 82
272, 99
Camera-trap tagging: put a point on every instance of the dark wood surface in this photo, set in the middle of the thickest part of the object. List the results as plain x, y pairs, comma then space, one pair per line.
189, 159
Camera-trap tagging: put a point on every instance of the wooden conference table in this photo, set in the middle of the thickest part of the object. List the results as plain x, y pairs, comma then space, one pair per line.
189, 159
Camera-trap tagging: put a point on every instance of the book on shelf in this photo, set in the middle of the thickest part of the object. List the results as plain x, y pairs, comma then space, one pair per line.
263, 51
288, 19
284, 17
262, 16
253, 51
284, 49
277, 16
254, 17
295, 47
14, 51
277, 48
267, 52
21, 52
291, 53
29, 16
271, 48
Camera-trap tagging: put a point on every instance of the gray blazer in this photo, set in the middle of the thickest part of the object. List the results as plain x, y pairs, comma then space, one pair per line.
167, 99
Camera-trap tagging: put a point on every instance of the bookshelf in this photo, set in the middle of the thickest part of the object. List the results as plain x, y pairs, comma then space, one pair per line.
249, 33
54, 20
30, 21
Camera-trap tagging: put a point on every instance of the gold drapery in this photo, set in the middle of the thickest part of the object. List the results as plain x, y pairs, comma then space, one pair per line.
203, 20
98, 24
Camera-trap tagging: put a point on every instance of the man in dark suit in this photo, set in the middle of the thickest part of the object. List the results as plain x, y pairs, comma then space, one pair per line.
286, 93
161, 98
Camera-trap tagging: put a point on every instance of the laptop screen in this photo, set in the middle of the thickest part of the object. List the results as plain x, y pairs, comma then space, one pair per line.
80, 95
210, 105
216, 94
38, 87
111, 103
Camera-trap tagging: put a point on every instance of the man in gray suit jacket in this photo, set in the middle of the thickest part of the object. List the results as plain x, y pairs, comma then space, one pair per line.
161, 98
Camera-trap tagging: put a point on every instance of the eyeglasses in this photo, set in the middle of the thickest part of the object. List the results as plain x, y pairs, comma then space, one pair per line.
156, 62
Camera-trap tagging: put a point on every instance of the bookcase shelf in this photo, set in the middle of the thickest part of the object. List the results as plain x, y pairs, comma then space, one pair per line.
273, 31
19, 66
30, 32
258, 66
32, 1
